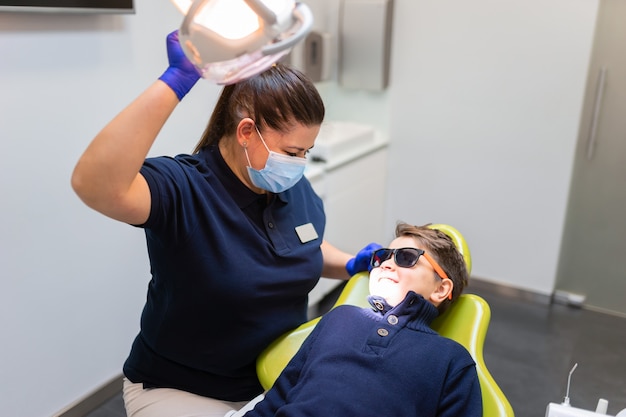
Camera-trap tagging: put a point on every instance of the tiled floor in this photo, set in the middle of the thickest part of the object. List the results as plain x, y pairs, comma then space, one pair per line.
531, 348
112, 408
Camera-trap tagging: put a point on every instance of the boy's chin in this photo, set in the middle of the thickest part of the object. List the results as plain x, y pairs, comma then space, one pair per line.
391, 299
389, 290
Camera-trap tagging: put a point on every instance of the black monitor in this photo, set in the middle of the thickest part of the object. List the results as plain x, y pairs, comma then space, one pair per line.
68, 6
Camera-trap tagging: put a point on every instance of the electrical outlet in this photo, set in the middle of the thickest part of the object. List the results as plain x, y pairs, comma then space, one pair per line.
569, 298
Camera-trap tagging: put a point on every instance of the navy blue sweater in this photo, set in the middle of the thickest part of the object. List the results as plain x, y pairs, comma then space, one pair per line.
390, 363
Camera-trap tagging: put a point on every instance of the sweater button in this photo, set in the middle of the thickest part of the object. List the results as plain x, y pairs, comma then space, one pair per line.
392, 319
383, 332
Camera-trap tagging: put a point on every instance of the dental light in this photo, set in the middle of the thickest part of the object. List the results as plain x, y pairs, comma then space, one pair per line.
230, 40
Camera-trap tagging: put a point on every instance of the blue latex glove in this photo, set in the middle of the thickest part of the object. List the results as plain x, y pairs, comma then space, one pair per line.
361, 262
181, 75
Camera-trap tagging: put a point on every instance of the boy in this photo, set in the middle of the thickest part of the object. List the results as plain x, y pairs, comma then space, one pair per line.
386, 361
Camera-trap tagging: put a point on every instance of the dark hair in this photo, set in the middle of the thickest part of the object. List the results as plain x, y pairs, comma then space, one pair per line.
276, 98
441, 247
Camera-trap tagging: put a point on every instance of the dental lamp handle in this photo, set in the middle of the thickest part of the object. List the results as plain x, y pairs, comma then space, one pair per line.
305, 16
181, 75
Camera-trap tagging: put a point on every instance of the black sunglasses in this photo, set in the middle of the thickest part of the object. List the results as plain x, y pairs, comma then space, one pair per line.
405, 258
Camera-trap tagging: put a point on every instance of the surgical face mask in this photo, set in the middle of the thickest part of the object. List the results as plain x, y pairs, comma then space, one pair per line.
281, 172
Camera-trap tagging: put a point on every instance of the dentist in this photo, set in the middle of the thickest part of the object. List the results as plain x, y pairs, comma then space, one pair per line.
234, 231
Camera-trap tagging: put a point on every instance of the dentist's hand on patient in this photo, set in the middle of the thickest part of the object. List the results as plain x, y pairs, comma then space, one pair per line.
361, 262
181, 75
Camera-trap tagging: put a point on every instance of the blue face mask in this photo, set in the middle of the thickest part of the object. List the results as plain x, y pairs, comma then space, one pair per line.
281, 172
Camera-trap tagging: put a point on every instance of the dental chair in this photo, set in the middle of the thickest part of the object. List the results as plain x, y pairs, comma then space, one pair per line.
465, 321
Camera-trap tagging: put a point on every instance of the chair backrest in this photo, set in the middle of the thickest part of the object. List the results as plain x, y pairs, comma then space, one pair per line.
465, 321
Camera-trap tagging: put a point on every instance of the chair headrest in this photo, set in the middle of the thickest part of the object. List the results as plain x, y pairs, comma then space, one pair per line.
458, 240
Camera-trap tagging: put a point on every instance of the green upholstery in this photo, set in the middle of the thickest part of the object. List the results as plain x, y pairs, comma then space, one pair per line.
275, 357
466, 321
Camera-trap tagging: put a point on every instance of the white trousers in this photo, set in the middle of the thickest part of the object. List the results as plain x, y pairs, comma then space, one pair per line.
168, 402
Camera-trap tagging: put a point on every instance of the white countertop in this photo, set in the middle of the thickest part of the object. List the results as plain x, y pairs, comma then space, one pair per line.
316, 168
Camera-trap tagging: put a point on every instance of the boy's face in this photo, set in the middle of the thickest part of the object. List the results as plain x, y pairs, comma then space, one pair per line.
393, 282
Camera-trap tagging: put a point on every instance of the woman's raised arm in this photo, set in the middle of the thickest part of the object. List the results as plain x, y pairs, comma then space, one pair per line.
107, 176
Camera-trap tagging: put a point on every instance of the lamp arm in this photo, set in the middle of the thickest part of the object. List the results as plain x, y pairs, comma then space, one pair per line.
303, 14
195, 5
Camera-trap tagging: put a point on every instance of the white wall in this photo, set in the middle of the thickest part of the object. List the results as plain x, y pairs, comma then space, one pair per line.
485, 107
482, 111
72, 282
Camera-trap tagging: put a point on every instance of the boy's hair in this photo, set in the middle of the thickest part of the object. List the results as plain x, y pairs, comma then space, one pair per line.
441, 247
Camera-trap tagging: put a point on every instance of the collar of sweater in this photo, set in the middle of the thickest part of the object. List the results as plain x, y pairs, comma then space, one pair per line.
414, 308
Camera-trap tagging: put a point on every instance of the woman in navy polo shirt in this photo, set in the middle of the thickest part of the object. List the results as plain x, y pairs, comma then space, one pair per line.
234, 233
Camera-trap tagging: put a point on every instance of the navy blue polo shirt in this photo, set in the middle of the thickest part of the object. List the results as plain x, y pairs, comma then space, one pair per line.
229, 275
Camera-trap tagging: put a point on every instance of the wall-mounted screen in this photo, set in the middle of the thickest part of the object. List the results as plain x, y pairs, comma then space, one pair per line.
68, 6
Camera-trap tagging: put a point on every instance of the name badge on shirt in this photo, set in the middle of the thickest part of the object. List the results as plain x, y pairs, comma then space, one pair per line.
306, 232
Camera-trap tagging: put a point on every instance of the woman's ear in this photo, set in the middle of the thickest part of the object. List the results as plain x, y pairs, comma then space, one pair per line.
245, 129
442, 292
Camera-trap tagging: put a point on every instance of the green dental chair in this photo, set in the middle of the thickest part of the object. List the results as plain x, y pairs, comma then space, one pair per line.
466, 321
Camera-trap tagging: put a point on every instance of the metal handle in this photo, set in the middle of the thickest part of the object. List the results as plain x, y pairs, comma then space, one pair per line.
591, 142
304, 16
195, 5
